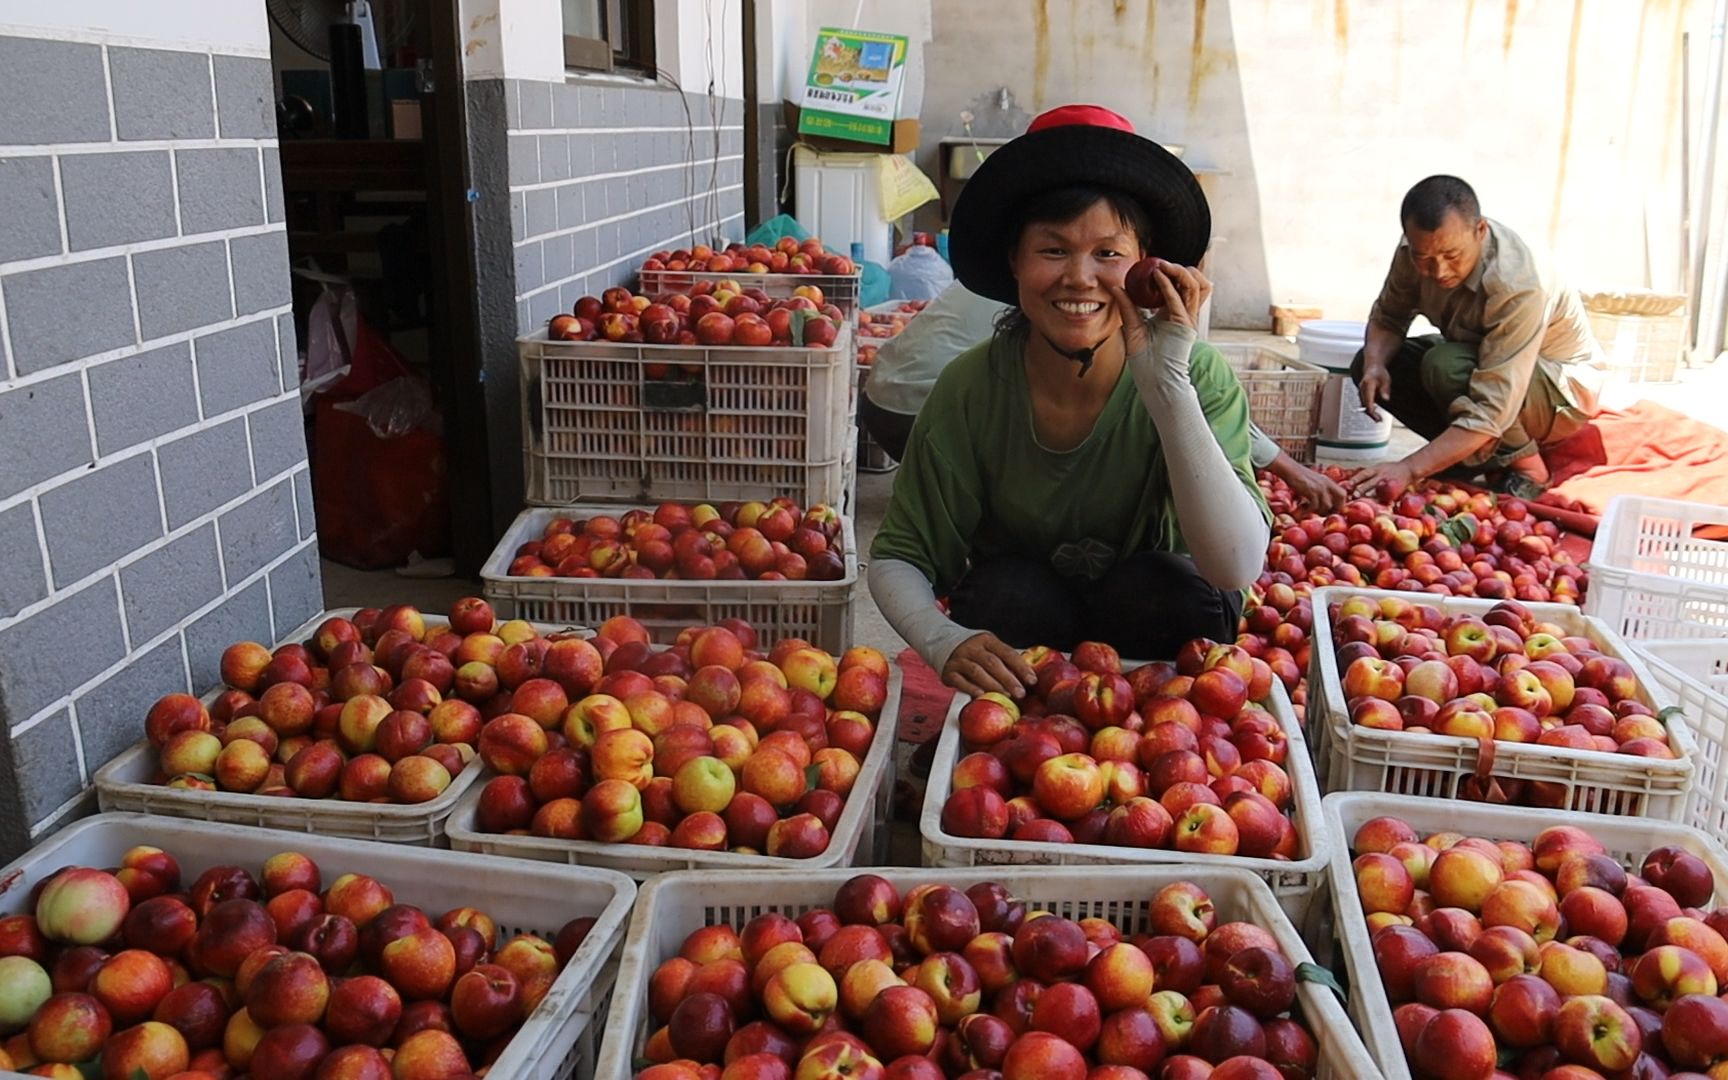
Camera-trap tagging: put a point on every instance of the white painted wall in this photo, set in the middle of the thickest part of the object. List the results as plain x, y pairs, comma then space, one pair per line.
1565, 114
230, 26
700, 43
697, 42
514, 39
780, 45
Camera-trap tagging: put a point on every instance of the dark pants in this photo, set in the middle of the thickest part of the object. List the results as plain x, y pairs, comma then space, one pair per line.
1147, 605
1429, 373
889, 429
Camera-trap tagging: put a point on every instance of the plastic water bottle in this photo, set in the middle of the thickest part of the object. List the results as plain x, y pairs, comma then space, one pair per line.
942, 244
858, 252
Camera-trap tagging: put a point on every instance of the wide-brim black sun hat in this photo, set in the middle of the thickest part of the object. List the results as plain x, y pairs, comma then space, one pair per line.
1073, 146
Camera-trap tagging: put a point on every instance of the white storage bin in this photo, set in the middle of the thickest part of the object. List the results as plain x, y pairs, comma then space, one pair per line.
1627, 839
126, 784
820, 612
1293, 882
854, 841
1356, 758
673, 906
839, 198
557, 1042
1695, 672
1651, 578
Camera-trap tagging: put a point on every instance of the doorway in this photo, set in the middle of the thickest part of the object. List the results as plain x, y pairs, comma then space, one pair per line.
372, 121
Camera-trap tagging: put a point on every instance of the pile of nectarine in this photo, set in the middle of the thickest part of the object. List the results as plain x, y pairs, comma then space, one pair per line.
942, 982
708, 745
1434, 538
383, 707
1168, 755
279, 976
877, 326
1499, 675
729, 314
773, 541
1547, 960
785, 256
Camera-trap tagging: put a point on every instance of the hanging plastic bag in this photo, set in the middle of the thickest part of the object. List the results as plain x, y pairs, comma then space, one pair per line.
777, 228
395, 408
330, 329
920, 274
873, 285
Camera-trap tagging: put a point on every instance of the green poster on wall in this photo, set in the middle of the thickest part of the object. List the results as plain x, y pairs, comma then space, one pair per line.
853, 89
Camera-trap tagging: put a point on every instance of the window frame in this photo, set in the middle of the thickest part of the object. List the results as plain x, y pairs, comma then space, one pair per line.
627, 44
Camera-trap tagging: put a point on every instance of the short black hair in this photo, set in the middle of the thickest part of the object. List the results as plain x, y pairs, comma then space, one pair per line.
1061, 205
1426, 205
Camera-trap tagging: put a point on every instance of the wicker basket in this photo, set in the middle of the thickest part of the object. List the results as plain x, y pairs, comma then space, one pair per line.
1641, 348
1634, 302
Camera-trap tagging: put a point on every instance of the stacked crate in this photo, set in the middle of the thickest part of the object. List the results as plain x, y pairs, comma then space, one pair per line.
613, 425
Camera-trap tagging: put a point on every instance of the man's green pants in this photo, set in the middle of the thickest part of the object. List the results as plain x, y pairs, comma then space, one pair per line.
1429, 373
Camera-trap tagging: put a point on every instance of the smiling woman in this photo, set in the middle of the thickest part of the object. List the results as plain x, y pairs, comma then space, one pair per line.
1085, 473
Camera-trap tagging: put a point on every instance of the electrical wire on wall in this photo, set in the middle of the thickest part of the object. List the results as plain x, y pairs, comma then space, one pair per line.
716, 112
703, 211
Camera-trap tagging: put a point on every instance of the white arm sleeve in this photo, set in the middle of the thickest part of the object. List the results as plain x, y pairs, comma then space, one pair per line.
909, 604
1221, 522
1265, 450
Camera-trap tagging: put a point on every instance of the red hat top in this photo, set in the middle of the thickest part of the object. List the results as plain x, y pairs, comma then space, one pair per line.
1088, 115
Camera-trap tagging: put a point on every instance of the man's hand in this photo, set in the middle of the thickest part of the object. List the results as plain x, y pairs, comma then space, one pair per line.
984, 663
1376, 386
1362, 482
1315, 489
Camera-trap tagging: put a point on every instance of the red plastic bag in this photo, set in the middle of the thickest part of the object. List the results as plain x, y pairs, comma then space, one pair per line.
378, 498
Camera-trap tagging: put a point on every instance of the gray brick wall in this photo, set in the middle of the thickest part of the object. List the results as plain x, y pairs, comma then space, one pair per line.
602, 175
155, 502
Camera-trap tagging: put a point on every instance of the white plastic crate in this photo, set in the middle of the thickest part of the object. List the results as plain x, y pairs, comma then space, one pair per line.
125, 784
614, 421
859, 836
1627, 839
1283, 395
670, 908
1293, 882
1370, 759
1651, 578
1695, 672
818, 611
556, 1043
841, 290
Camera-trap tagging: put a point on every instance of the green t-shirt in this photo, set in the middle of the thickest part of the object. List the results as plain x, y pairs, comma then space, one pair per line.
976, 483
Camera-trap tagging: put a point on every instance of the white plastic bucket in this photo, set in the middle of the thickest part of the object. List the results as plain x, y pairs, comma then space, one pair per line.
1347, 432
